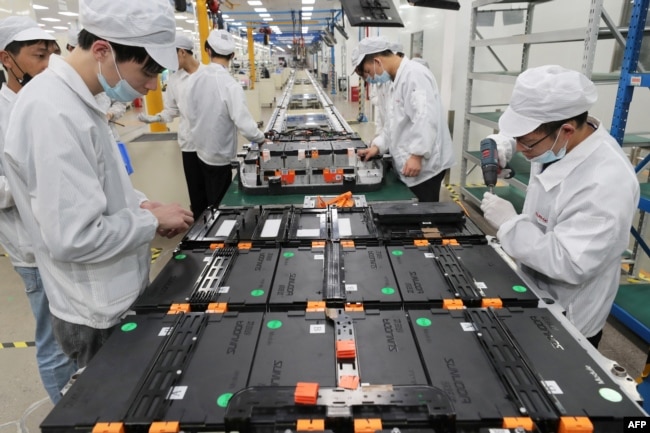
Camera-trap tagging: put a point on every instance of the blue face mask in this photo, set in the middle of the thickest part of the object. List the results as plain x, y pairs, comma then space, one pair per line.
548, 156
384, 77
122, 91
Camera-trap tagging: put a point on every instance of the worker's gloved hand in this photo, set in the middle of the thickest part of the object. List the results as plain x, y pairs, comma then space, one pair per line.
496, 210
142, 117
505, 149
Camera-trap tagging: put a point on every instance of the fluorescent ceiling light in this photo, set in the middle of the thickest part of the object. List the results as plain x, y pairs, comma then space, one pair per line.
180, 17
278, 48
59, 27
230, 19
265, 15
308, 2
307, 8
304, 29
39, 7
190, 21
288, 45
52, 20
50, 31
224, 16
306, 15
255, 3
177, 28
267, 19
258, 10
236, 24
69, 14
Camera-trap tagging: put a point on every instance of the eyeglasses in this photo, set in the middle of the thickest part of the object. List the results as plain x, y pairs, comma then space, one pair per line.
530, 147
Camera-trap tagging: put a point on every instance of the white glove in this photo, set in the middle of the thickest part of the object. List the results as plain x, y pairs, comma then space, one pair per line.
142, 117
505, 149
497, 210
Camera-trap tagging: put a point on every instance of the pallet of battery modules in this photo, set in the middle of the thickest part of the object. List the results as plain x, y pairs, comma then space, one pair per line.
240, 276
157, 371
499, 364
227, 226
415, 220
351, 365
456, 273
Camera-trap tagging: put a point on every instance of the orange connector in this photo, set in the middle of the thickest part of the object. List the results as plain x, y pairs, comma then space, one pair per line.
491, 302
217, 308
349, 382
452, 304
108, 427
318, 244
310, 425
165, 427
515, 422
346, 349
356, 306
369, 425
580, 424
244, 245
421, 242
347, 244
315, 306
179, 308
287, 177
306, 393
452, 242
217, 245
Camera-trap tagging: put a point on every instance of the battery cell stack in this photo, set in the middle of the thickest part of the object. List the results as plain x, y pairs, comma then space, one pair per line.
391, 317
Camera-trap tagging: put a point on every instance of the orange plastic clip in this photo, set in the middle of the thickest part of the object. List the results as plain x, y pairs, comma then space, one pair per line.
356, 306
108, 427
491, 302
318, 244
313, 306
310, 425
452, 242
165, 427
346, 349
217, 308
579, 424
179, 308
217, 245
306, 393
516, 422
244, 245
347, 244
349, 382
452, 304
420, 242
370, 425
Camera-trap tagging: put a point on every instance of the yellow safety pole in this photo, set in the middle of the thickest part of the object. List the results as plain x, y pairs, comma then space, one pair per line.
154, 105
204, 28
251, 54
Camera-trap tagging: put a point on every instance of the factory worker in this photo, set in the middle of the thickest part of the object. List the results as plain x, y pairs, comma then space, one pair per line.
216, 111
173, 99
24, 52
90, 229
581, 196
415, 130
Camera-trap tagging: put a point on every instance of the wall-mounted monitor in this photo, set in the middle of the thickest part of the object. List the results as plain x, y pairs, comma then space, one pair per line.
373, 13
440, 4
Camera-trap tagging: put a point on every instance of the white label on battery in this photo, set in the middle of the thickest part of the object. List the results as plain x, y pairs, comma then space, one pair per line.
308, 233
350, 287
266, 155
319, 257
429, 255
480, 285
552, 387
499, 430
177, 393
345, 227
224, 289
226, 228
207, 259
165, 331
271, 228
301, 154
352, 156
317, 329
468, 326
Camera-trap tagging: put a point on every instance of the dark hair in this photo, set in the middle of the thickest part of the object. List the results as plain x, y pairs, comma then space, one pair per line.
550, 127
216, 55
14, 47
370, 57
187, 51
123, 53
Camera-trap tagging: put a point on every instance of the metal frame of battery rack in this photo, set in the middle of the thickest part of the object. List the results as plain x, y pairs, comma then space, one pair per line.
313, 149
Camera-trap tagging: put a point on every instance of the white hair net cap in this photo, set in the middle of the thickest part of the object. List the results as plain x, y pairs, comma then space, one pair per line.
149, 24
73, 37
20, 28
546, 94
221, 42
371, 45
184, 42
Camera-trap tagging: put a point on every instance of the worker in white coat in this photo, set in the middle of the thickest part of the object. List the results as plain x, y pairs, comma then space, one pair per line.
173, 100
581, 196
415, 130
216, 111
90, 229
24, 54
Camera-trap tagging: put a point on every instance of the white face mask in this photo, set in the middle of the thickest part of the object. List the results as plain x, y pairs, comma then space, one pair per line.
549, 156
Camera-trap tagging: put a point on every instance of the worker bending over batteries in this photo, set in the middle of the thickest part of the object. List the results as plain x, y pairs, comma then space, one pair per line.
415, 131
581, 196
90, 229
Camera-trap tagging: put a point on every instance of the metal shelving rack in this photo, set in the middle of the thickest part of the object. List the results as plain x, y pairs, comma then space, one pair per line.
514, 189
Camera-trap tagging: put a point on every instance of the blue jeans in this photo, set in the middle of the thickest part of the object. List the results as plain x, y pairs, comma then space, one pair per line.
54, 366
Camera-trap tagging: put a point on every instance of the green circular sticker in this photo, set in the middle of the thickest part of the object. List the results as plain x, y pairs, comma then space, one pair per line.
274, 324
397, 252
128, 327
387, 290
257, 292
610, 395
423, 321
519, 289
288, 254
223, 399
180, 256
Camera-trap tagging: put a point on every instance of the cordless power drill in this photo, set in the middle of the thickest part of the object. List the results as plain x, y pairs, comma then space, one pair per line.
489, 162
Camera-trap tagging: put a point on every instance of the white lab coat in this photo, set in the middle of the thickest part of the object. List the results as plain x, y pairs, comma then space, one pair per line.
90, 236
415, 123
575, 225
174, 100
13, 236
116, 108
216, 109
